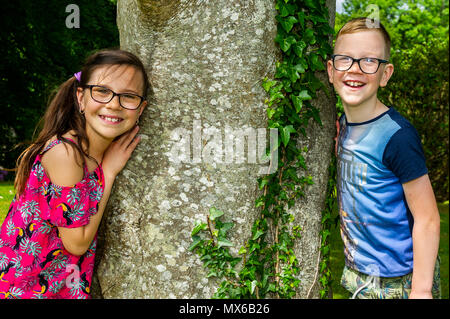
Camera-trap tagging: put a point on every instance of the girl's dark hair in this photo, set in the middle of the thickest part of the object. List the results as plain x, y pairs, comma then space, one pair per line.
63, 114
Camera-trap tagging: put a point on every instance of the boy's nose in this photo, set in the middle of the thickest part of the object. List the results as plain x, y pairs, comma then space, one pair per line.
355, 68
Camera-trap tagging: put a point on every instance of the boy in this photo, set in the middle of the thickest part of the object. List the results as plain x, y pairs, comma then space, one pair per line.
390, 223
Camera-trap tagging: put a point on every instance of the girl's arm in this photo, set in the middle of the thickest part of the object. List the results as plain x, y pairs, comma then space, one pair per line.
422, 203
77, 240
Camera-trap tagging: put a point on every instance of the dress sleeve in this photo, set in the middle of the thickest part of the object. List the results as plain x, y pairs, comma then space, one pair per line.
404, 155
73, 206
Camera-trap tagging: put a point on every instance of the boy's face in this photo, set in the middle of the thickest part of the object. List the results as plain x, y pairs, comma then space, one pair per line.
362, 44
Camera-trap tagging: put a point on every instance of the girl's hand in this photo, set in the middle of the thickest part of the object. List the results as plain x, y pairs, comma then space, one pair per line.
118, 153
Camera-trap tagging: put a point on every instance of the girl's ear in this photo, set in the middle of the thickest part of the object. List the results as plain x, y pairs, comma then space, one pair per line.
143, 105
80, 96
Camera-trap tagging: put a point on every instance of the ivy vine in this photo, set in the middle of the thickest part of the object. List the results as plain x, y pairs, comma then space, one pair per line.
267, 262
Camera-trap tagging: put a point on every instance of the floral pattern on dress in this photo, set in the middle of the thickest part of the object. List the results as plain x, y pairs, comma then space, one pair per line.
33, 260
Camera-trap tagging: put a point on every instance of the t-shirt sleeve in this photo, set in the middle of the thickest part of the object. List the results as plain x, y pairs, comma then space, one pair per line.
404, 155
72, 207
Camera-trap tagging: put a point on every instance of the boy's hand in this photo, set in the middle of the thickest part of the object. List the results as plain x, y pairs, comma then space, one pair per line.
420, 295
118, 153
336, 138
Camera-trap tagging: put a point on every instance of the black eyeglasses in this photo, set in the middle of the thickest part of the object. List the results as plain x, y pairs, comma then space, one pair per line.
366, 65
101, 94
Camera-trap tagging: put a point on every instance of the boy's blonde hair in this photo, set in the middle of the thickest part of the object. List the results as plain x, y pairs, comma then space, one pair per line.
363, 24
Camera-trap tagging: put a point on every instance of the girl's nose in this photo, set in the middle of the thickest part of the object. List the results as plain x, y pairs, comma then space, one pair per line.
114, 103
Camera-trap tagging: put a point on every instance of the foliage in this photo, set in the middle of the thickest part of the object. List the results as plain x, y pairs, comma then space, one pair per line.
419, 86
269, 265
39, 53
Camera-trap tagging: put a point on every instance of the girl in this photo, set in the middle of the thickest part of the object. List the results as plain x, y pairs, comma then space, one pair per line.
64, 179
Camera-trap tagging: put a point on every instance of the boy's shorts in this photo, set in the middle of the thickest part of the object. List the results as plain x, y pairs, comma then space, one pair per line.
383, 287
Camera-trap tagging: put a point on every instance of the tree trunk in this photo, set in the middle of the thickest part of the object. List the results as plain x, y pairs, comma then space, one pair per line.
308, 211
205, 60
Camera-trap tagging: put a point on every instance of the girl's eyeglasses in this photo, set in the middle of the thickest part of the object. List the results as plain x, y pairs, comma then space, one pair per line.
101, 94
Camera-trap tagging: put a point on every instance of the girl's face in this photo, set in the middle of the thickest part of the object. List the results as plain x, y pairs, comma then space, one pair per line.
106, 121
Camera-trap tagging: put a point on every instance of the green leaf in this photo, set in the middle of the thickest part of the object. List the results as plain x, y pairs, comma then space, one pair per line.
285, 43
304, 95
286, 134
253, 285
198, 227
196, 241
287, 23
242, 251
214, 213
299, 46
268, 84
257, 234
223, 242
298, 102
301, 18
263, 182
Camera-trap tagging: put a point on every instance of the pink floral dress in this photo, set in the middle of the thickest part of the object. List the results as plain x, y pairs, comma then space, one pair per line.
33, 261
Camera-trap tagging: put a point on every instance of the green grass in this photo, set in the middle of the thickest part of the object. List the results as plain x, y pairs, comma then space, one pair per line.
337, 257
6, 196
337, 254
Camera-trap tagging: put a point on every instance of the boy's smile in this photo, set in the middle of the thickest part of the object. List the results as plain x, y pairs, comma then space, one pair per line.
358, 90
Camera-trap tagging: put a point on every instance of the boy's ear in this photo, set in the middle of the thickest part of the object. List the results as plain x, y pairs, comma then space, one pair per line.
330, 70
387, 73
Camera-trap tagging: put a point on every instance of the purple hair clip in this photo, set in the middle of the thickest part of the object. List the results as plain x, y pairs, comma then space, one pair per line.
78, 76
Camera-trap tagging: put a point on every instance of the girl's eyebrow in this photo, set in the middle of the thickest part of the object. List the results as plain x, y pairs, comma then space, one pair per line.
122, 91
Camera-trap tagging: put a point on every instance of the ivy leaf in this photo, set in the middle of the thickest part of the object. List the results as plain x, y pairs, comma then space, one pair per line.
198, 227
214, 213
304, 95
286, 43
298, 102
301, 18
264, 181
293, 75
242, 251
257, 234
299, 46
270, 112
309, 37
196, 241
252, 285
268, 84
286, 134
223, 242
316, 64
287, 23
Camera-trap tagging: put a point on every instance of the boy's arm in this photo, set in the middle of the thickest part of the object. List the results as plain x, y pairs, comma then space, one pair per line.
426, 232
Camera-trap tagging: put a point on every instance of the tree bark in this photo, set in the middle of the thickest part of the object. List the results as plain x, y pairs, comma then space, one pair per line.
206, 61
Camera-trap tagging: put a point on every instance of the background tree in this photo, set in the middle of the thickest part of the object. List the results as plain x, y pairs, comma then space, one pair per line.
419, 86
38, 53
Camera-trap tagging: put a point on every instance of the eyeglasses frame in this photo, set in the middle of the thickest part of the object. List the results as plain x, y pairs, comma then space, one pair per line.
380, 61
90, 86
